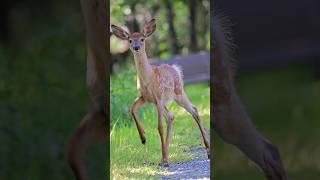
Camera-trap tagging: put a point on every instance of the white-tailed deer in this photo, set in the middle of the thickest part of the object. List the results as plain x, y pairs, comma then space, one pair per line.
157, 85
231, 122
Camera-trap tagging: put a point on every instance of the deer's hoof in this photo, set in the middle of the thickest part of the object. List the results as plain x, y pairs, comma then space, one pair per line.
164, 164
143, 141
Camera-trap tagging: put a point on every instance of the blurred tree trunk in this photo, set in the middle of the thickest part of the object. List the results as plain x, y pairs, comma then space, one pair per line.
192, 25
172, 38
155, 8
5, 8
316, 67
131, 19
205, 28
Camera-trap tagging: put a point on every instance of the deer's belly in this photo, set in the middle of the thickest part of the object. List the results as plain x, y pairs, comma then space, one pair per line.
163, 94
147, 94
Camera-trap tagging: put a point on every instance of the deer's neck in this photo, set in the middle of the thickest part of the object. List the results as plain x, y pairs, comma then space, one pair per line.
144, 68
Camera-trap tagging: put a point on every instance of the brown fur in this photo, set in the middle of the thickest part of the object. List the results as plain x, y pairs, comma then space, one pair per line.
93, 125
136, 35
232, 122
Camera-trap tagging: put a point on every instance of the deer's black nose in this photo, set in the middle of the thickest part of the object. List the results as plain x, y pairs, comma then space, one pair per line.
136, 48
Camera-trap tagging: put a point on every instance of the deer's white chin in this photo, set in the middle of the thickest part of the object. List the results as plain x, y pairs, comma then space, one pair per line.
136, 51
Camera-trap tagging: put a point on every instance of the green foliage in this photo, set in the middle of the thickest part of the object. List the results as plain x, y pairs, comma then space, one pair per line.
122, 94
43, 98
124, 12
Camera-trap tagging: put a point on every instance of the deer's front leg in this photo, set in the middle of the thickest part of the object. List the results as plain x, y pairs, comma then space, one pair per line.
133, 110
160, 129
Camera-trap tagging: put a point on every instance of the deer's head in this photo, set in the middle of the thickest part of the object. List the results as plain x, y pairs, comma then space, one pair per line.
136, 39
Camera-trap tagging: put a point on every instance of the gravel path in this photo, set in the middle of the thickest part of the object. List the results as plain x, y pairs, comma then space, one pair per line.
197, 168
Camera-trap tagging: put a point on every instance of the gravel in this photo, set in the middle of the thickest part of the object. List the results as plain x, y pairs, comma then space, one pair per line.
197, 168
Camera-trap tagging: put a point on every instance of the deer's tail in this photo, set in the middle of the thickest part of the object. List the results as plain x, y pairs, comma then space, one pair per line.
178, 69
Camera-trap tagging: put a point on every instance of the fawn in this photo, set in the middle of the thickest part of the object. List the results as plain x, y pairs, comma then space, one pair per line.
157, 85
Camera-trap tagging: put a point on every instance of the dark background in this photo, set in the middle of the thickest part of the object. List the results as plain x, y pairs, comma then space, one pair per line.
43, 95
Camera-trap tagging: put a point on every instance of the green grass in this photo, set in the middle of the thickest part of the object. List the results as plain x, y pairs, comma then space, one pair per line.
128, 157
285, 106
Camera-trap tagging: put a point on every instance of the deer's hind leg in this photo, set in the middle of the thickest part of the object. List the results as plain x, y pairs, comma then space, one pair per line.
161, 111
184, 102
133, 110
169, 116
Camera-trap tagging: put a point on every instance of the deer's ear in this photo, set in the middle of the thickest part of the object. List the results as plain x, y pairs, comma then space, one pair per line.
149, 28
119, 32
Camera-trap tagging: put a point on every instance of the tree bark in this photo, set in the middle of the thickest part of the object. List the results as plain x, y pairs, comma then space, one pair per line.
192, 26
172, 38
5, 8
132, 21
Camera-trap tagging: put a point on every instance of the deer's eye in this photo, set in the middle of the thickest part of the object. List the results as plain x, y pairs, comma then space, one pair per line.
130, 41
141, 40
